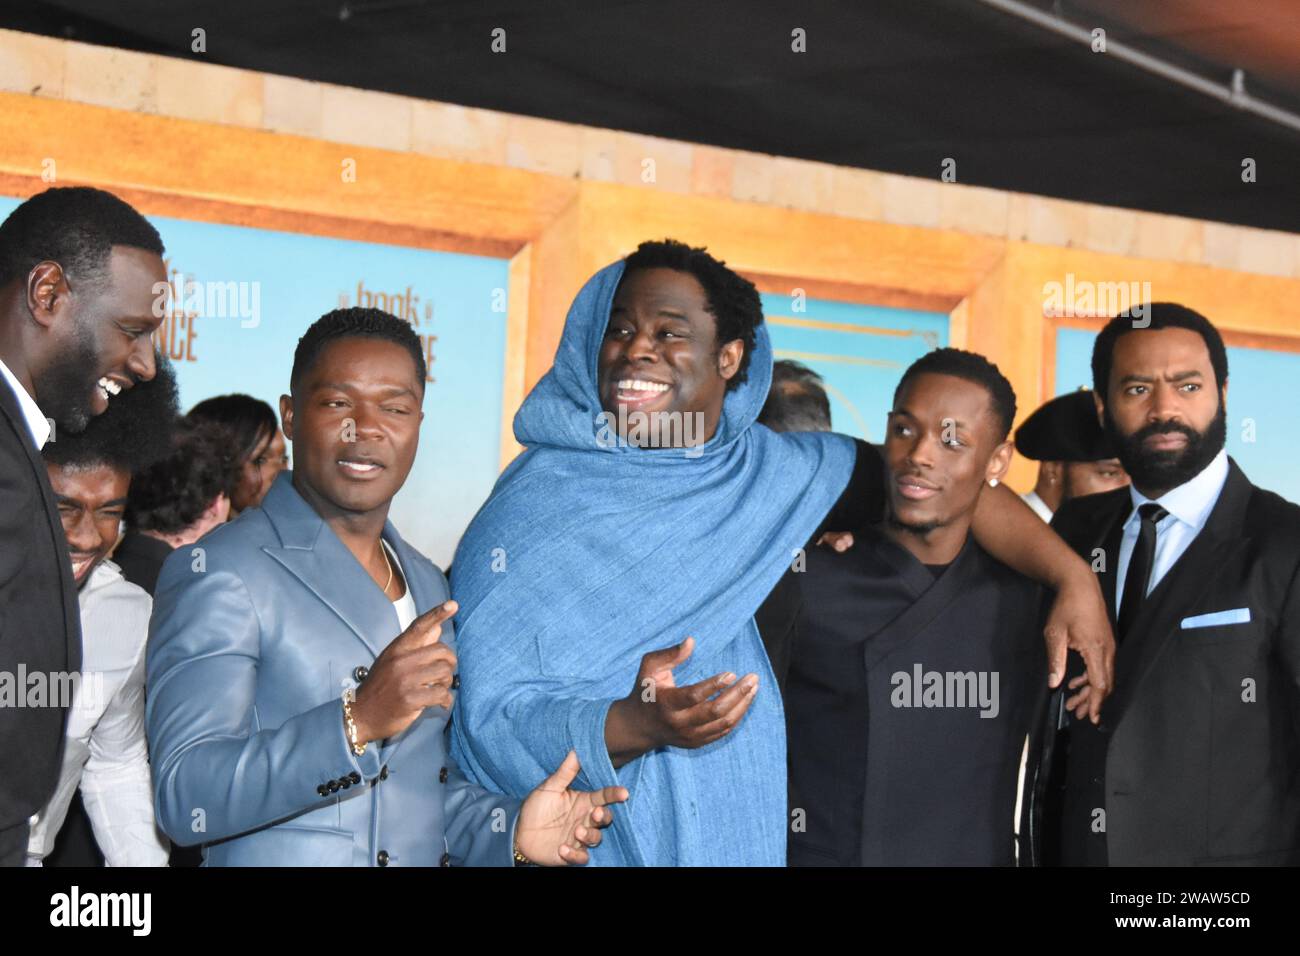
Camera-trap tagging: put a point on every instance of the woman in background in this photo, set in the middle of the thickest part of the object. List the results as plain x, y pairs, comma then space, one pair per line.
258, 444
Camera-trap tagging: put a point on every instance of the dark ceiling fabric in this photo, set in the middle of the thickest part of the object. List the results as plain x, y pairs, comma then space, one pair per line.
894, 85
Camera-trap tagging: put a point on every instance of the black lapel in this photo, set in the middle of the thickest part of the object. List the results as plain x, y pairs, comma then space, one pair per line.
1090, 525
941, 592
71, 611
1157, 622
887, 556
1109, 571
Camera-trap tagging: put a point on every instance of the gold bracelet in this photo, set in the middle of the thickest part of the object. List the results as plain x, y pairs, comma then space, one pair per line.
349, 696
520, 859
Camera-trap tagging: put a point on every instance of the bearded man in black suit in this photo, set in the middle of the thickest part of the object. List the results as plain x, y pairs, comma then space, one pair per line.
1196, 759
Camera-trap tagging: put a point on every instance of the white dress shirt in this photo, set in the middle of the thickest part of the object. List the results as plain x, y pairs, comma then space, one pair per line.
105, 751
405, 605
1189, 506
37, 423
1038, 504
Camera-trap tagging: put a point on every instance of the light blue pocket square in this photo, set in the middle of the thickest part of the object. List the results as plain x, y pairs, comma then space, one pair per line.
1240, 615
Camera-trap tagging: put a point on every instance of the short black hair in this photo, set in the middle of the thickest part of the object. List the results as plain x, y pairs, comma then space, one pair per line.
75, 226
733, 300
1155, 315
173, 493
355, 323
249, 420
131, 435
972, 367
797, 401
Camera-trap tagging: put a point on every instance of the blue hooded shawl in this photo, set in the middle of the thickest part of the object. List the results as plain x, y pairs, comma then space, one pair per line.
587, 555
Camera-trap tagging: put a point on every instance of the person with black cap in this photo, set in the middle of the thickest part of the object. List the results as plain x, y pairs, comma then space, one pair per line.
1075, 457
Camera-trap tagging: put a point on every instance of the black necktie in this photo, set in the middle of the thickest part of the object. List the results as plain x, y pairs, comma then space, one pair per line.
1139, 567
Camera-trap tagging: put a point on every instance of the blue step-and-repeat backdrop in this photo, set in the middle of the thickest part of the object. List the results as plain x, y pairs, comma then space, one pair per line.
860, 351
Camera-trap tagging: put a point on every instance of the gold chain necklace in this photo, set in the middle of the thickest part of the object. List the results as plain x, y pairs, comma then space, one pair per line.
384, 552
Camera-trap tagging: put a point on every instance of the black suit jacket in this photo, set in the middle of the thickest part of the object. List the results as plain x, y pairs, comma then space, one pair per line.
1202, 756
141, 559
884, 774
860, 506
40, 627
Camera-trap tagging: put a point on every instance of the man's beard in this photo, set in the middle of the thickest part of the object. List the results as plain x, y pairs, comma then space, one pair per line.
65, 395
1156, 472
920, 530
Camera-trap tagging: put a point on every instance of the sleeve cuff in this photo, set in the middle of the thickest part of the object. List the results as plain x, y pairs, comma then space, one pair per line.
367, 765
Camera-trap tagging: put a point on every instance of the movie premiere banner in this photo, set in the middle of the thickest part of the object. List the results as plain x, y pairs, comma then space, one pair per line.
241, 298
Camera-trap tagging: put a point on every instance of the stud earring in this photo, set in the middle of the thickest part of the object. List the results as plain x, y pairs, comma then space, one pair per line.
993, 482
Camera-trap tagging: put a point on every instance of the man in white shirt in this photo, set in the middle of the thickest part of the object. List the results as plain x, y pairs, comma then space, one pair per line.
78, 269
105, 752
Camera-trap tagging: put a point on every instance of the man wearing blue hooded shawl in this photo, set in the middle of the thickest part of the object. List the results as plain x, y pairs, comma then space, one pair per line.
592, 552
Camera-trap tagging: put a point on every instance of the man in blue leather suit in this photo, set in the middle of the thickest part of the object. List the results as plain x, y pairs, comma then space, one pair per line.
296, 702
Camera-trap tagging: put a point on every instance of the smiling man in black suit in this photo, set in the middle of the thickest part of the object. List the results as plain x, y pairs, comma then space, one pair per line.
1197, 756
78, 268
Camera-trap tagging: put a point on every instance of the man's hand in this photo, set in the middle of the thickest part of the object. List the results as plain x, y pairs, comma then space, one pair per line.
557, 825
1078, 704
658, 713
839, 541
413, 672
1079, 622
